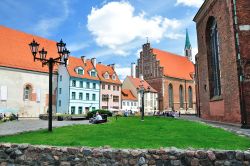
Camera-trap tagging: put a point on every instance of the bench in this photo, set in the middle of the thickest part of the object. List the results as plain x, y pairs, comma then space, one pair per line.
104, 119
78, 118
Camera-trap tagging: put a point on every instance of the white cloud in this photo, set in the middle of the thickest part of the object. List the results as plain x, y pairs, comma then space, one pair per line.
115, 25
175, 36
191, 3
76, 46
46, 25
122, 72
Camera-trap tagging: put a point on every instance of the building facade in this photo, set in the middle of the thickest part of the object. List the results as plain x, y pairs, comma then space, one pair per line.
78, 86
223, 61
24, 84
171, 75
129, 101
110, 88
150, 94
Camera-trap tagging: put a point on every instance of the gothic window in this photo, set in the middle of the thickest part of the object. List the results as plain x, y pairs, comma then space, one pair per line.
170, 96
213, 58
27, 92
190, 97
181, 96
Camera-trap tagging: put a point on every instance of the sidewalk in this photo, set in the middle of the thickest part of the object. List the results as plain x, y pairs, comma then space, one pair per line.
229, 127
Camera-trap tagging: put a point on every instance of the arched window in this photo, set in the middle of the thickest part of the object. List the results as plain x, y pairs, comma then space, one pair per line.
27, 92
190, 97
181, 96
212, 37
170, 96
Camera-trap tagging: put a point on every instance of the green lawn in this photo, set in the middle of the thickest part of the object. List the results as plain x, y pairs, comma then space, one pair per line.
130, 132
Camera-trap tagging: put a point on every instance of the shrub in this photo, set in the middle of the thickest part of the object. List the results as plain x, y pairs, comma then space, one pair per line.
92, 113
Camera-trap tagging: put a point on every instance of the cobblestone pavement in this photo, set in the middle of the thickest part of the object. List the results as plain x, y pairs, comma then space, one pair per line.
232, 128
23, 125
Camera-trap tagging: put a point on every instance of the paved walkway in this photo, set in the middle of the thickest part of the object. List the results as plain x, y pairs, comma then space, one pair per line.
23, 125
232, 128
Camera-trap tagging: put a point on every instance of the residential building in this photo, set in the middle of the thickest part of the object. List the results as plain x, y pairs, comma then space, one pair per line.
79, 86
223, 61
129, 101
110, 90
171, 75
150, 94
24, 84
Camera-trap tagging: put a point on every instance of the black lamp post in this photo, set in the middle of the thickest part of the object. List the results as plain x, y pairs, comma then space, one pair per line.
62, 59
142, 91
107, 97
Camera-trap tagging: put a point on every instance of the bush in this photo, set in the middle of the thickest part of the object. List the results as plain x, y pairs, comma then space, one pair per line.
92, 113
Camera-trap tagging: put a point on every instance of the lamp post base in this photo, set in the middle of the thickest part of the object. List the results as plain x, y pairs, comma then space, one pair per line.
245, 126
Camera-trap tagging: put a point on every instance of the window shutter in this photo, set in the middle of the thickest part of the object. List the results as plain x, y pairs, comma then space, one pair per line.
4, 93
38, 95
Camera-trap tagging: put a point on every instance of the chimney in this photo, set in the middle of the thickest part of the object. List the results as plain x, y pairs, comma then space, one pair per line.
83, 59
93, 60
141, 77
113, 66
133, 66
99, 62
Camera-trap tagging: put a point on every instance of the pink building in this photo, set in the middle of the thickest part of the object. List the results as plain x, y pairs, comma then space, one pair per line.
110, 90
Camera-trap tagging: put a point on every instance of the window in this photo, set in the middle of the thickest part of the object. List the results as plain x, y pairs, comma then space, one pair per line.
106, 75
80, 71
87, 96
134, 103
60, 103
115, 98
108, 87
93, 97
93, 108
60, 90
60, 77
94, 85
118, 88
213, 58
93, 74
190, 97
88, 85
113, 77
127, 103
103, 86
104, 97
113, 88
27, 92
181, 96
131, 103
74, 83
73, 96
170, 96
123, 103
79, 110
80, 96
73, 109
81, 84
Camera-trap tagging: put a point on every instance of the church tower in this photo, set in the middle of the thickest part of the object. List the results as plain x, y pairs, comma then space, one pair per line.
188, 47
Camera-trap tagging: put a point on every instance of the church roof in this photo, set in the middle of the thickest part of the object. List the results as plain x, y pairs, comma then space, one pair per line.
15, 51
127, 95
175, 65
187, 43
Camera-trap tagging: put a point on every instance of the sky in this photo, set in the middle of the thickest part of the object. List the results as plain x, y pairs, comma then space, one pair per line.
113, 31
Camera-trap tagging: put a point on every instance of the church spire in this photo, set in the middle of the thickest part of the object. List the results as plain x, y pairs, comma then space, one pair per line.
188, 47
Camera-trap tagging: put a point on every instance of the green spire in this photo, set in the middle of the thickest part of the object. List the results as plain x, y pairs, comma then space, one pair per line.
187, 43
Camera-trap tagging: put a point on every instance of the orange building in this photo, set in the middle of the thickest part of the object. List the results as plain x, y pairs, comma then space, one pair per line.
171, 75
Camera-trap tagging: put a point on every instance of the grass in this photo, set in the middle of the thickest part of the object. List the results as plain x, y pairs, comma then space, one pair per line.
130, 132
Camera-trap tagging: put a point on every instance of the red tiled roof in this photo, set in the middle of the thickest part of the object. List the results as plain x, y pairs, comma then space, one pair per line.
137, 82
175, 65
102, 69
127, 95
15, 51
75, 62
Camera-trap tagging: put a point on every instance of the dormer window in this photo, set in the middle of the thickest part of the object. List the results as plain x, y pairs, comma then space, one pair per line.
80, 71
93, 74
113, 77
106, 75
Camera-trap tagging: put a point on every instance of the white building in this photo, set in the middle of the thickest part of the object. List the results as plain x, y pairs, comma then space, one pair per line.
24, 84
78, 86
129, 101
150, 94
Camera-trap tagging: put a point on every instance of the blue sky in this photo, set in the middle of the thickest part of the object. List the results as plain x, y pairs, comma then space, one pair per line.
112, 31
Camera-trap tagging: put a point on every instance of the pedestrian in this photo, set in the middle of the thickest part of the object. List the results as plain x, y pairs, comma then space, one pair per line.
179, 113
17, 116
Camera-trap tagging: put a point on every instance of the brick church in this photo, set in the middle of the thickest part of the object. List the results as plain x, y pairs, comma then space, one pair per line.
223, 61
171, 75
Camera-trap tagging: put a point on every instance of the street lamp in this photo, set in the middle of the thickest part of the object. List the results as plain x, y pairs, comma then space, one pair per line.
107, 97
142, 91
62, 59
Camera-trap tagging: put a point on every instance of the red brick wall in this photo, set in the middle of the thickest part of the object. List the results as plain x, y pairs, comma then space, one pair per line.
227, 109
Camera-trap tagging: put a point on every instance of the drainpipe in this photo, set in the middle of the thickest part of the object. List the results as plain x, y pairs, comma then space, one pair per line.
239, 67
